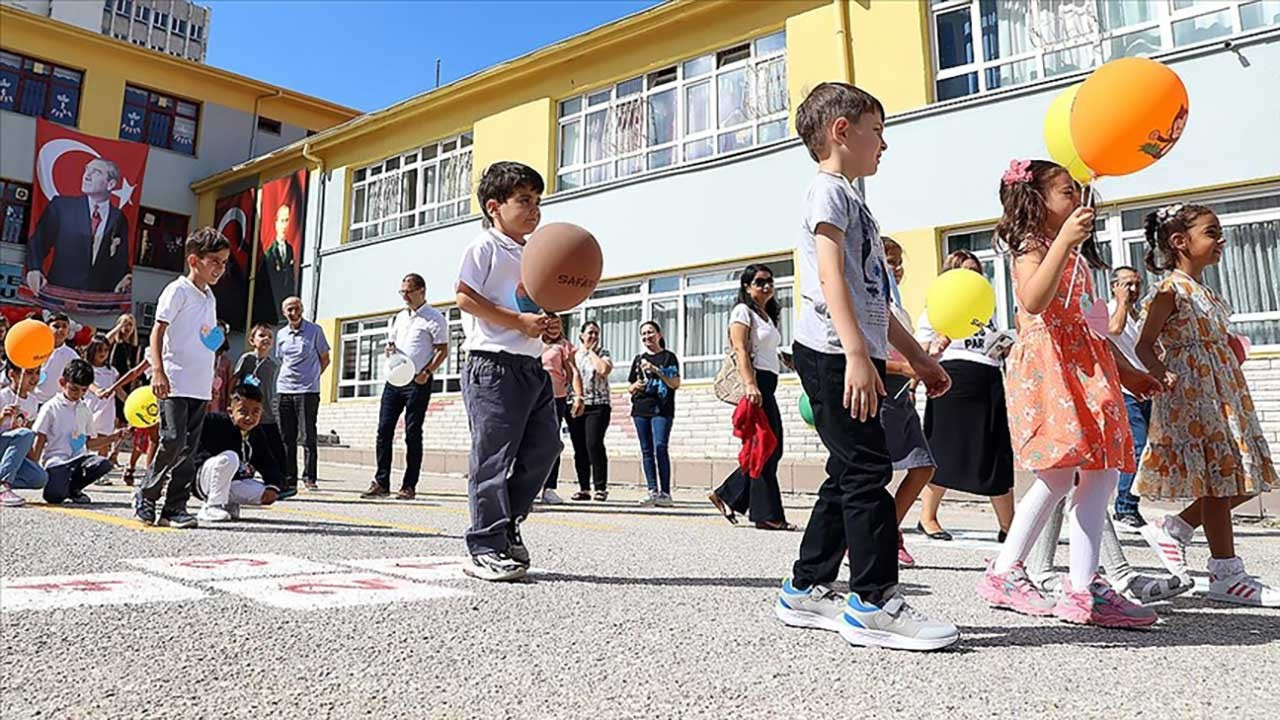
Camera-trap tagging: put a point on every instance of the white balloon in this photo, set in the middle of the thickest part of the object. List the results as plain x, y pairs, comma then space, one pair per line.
399, 371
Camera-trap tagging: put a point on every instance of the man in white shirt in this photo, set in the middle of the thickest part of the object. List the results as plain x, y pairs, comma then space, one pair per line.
421, 334
1123, 331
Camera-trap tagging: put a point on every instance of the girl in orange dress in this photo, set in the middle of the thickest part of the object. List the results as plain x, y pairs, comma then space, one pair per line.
1066, 415
1204, 442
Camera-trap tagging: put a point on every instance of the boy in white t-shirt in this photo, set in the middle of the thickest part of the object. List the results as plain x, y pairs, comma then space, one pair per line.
18, 408
65, 442
51, 371
515, 436
183, 342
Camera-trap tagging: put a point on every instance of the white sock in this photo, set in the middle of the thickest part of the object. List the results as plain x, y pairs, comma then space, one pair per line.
1178, 529
1088, 511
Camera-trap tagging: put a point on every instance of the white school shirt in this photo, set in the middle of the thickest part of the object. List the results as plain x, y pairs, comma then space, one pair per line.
973, 348
191, 314
763, 336
52, 369
417, 332
491, 267
66, 427
1126, 340
103, 409
28, 407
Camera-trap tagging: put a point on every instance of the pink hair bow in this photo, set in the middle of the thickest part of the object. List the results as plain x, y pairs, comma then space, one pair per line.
1019, 171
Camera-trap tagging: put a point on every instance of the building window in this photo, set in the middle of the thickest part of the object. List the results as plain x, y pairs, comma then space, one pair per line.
37, 88
1020, 42
160, 20
197, 31
15, 211
363, 344
718, 103
143, 13
427, 186
162, 237
182, 27
159, 120
267, 125
1245, 277
124, 7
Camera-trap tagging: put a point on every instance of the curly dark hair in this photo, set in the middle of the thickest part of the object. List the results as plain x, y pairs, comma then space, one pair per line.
1162, 256
1022, 224
771, 308
503, 179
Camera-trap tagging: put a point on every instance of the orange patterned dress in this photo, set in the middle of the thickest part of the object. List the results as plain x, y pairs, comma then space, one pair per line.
1062, 387
1204, 439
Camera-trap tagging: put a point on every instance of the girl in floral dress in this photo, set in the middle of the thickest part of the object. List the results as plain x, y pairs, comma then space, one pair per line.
1204, 441
1066, 415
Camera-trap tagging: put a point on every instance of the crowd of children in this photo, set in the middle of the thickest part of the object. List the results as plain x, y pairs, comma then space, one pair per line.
855, 353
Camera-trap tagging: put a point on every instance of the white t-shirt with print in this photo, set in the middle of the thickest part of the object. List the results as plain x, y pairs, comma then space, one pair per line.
982, 347
491, 267
28, 407
52, 369
66, 427
763, 336
191, 314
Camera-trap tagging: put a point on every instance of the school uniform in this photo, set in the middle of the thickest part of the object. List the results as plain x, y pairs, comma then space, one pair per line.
67, 427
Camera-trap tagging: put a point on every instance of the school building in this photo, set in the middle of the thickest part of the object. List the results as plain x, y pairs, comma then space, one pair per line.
198, 120
670, 135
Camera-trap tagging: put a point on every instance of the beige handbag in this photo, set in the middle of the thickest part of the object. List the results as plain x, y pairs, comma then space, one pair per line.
729, 387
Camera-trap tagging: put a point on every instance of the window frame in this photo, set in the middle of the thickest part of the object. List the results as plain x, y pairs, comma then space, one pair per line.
645, 156
1094, 44
165, 221
429, 208
28, 73
153, 108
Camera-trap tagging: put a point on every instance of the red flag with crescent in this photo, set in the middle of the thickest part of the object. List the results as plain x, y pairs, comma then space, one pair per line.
233, 217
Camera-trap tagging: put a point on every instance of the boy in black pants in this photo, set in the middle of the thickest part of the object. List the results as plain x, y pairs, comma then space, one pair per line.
841, 343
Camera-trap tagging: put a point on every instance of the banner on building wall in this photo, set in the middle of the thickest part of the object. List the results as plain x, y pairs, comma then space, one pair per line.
86, 194
279, 247
234, 219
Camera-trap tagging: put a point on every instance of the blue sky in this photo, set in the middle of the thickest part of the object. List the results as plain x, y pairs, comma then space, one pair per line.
368, 54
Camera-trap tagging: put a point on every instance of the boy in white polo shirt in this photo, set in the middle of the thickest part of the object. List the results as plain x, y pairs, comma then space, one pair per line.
65, 442
515, 437
183, 342
51, 371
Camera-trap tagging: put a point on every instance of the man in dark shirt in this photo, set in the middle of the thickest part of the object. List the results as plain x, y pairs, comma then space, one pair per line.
233, 450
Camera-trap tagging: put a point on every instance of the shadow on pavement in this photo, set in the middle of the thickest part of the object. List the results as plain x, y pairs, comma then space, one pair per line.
1179, 628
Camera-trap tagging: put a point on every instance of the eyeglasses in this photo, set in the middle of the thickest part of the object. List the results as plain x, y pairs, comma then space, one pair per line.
762, 282
407, 293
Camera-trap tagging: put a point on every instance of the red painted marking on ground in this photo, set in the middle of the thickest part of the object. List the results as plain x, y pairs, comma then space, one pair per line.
81, 585
321, 588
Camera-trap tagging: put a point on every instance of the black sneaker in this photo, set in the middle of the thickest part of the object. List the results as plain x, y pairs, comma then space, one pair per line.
494, 567
515, 546
144, 509
179, 519
80, 498
1130, 522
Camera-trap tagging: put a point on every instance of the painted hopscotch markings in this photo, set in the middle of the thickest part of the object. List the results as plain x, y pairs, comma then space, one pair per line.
421, 568
229, 567
47, 592
314, 592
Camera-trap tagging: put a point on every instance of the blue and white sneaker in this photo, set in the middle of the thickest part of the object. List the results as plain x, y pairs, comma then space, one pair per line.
894, 624
817, 607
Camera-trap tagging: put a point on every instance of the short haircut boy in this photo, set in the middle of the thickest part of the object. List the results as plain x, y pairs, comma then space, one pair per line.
58, 317
206, 241
246, 391
503, 179
78, 372
824, 104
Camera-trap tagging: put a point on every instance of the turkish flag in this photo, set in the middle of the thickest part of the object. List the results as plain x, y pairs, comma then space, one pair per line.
83, 216
233, 217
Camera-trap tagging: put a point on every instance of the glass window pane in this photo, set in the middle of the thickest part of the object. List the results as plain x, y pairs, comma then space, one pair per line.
630, 87
1123, 13
630, 165
1015, 73
571, 107
1070, 60
706, 322
736, 140
698, 149
698, 66
1204, 27
619, 334
1143, 42
597, 174
1005, 28
569, 180
771, 131
958, 86
662, 158
954, 31
697, 108
598, 98
360, 196
570, 139
665, 76
429, 184
733, 55
671, 283
597, 129
628, 120
666, 313
1259, 14
409, 189
731, 98
662, 117
776, 42
771, 87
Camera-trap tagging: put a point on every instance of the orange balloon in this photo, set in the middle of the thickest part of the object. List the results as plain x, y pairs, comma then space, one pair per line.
1128, 114
29, 343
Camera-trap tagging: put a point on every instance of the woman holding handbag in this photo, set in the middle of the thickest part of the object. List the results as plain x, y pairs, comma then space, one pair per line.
754, 334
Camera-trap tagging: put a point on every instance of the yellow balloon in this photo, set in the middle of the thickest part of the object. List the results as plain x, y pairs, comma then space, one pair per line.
1057, 136
141, 408
960, 303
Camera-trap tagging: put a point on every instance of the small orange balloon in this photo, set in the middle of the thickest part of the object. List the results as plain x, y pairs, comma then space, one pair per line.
29, 343
1128, 114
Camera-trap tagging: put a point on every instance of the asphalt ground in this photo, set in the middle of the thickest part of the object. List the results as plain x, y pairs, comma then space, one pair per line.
327, 606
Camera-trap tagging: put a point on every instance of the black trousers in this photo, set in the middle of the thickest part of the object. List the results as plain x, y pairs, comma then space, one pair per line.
562, 412
181, 421
589, 456
412, 400
761, 496
854, 510
297, 412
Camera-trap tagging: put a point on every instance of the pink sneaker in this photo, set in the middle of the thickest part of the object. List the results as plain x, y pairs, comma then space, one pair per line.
1102, 606
1013, 591
904, 558
9, 498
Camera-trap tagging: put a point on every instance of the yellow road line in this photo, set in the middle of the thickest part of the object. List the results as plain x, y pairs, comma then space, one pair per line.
357, 521
125, 522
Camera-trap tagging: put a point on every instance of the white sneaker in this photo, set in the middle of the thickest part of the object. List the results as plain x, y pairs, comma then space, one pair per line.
894, 624
1229, 583
818, 607
9, 498
664, 500
213, 514
650, 500
1171, 549
551, 497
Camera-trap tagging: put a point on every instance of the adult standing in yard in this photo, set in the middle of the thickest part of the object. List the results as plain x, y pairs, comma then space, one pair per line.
303, 352
588, 427
421, 333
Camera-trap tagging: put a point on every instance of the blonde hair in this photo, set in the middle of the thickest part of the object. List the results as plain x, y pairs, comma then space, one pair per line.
116, 333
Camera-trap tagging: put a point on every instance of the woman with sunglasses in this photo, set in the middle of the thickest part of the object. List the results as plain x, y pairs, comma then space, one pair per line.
754, 333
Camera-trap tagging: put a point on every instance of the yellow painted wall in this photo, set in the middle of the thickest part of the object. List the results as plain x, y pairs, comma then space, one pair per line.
892, 55
812, 56
109, 63
922, 263
329, 378
525, 133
